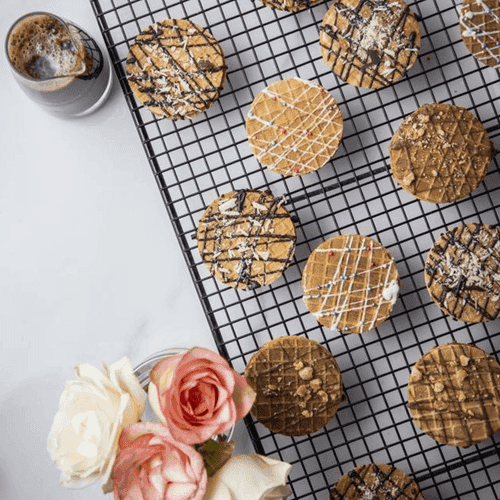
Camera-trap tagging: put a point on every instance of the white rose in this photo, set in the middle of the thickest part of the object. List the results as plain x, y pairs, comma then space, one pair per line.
249, 477
93, 410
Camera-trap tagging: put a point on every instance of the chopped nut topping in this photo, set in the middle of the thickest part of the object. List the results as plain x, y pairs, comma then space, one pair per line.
464, 360
461, 375
470, 412
438, 387
306, 413
272, 387
302, 404
440, 405
315, 384
301, 391
417, 374
323, 395
298, 365
461, 396
306, 373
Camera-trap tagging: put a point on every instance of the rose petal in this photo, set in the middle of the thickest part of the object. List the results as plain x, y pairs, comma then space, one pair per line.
122, 374
249, 477
154, 401
181, 491
243, 396
162, 373
89, 374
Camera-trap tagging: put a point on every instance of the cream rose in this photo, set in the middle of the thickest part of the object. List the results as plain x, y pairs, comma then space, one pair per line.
249, 477
93, 410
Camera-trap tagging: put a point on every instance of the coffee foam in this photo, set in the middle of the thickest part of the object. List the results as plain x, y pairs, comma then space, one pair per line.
40, 47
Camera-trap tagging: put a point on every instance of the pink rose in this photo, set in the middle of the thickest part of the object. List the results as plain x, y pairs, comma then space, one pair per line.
151, 465
197, 395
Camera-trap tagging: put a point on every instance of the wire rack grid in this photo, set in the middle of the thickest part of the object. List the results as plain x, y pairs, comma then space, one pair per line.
195, 161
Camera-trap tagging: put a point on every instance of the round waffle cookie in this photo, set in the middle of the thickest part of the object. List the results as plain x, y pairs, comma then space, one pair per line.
246, 238
440, 153
376, 481
294, 127
462, 272
480, 30
370, 44
298, 385
454, 394
350, 283
290, 5
176, 68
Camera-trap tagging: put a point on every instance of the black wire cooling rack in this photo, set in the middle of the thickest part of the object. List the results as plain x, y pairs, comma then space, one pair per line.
195, 161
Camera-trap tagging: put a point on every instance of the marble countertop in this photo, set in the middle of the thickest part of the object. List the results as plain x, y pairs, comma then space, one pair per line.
90, 267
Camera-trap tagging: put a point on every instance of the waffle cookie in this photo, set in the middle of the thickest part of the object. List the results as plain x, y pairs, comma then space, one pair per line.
454, 394
246, 238
440, 153
370, 43
376, 482
290, 5
480, 30
176, 68
294, 127
298, 385
350, 283
462, 272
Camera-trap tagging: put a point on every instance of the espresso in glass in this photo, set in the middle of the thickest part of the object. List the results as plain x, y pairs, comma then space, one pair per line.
58, 65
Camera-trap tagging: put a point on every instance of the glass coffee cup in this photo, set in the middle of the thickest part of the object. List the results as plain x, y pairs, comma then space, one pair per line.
58, 65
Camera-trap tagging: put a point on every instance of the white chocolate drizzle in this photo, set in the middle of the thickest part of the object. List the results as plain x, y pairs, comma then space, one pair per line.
296, 145
487, 41
352, 287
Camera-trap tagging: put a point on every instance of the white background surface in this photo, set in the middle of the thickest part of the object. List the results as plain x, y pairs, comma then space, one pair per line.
90, 268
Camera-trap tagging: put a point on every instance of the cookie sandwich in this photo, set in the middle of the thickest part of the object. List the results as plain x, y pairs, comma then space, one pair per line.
176, 69
454, 394
246, 238
350, 283
440, 153
298, 385
294, 127
370, 44
462, 272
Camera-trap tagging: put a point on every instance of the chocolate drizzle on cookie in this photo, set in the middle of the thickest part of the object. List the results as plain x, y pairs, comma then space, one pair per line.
246, 239
376, 482
454, 394
290, 5
176, 68
370, 43
462, 272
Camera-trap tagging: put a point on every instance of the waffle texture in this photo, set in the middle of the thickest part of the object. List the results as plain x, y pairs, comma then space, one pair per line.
462, 272
294, 127
246, 238
376, 482
350, 283
298, 385
291, 5
370, 43
454, 394
480, 30
440, 153
176, 68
